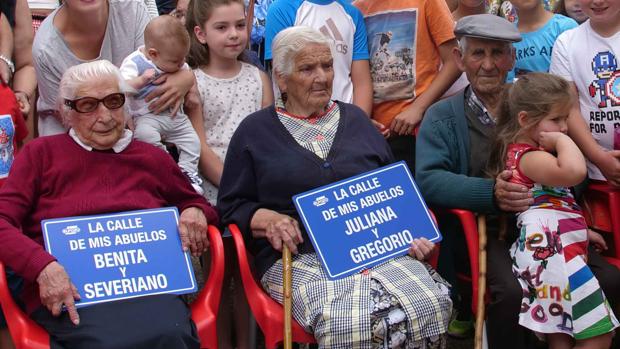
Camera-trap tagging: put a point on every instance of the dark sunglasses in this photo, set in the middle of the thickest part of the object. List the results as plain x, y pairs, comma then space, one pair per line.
89, 104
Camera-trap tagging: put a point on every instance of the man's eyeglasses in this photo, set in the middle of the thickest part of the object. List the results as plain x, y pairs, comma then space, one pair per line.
89, 104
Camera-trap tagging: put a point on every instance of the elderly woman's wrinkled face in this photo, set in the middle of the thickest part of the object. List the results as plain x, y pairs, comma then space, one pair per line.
102, 127
309, 86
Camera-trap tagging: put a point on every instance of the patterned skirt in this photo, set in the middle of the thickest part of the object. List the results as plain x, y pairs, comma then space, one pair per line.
560, 293
398, 304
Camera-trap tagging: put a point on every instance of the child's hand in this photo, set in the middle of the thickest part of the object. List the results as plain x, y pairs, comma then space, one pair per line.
405, 122
597, 241
549, 140
385, 131
609, 165
23, 102
421, 249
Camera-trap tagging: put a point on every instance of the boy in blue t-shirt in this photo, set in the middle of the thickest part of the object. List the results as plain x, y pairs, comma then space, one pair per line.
341, 22
539, 29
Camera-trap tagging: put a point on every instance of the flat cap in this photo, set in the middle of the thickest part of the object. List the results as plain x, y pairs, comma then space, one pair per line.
487, 26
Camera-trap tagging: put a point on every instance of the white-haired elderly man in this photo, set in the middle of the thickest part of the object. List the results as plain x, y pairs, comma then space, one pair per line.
451, 156
95, 168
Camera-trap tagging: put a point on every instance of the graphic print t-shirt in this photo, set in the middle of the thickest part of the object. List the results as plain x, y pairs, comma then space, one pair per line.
592, 65
533, 52
337, 20
12, 130
403, 41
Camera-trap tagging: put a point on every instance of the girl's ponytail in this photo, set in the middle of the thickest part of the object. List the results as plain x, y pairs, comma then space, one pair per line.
198, 12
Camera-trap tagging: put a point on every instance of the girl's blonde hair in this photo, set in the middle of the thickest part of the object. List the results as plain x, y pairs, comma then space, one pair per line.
198, 12
534, 93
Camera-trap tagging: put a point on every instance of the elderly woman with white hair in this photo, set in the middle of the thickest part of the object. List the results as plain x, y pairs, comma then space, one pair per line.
306, 141
95, 168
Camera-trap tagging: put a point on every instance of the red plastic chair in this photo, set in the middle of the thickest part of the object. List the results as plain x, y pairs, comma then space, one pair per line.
613, 261
204, 309
268, 313
433, 259
470, 229
27, 334
602, 211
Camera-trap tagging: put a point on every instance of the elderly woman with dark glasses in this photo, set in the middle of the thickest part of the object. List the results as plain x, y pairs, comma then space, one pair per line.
95, 168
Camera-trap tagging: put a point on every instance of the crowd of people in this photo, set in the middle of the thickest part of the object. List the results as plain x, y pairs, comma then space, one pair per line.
502, 108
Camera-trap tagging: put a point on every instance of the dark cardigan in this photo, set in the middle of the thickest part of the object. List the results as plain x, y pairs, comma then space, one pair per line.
442, 160
265, 167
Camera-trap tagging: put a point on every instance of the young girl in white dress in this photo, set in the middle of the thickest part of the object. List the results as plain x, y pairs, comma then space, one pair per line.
562, 299
229, 90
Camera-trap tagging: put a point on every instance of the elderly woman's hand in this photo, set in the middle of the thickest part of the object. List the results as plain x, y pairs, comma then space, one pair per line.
56, 289
277, 228
193, 230
283, 229
171, 91
421, 249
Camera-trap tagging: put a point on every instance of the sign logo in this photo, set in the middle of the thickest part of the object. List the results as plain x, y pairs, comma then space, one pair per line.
71, 230
320, 201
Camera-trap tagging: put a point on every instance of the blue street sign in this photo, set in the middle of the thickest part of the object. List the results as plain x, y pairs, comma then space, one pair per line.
365, 220
123, 255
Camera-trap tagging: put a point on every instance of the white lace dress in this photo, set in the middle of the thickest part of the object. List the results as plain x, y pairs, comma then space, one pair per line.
225, 102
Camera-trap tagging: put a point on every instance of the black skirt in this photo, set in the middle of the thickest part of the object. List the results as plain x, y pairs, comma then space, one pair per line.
152, 322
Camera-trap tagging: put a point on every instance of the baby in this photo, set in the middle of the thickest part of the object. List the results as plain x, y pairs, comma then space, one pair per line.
166, 43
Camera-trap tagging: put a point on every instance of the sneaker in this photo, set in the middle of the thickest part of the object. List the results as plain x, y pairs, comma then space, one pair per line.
460, 328
196, 182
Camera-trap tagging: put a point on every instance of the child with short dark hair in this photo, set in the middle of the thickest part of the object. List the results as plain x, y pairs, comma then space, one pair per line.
229, 90
539, 29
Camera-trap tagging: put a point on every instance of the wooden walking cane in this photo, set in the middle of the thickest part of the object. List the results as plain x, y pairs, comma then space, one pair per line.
288, 277
482, 279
